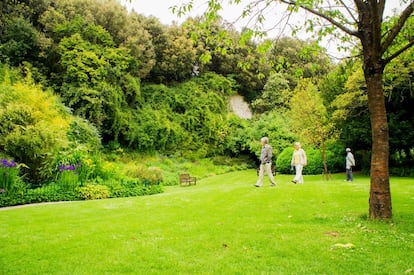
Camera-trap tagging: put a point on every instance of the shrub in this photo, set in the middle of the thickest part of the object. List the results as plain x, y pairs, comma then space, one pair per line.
314, 159
47, 193
82, 132
148, 175
131, 188
244, 137
106, 170
315, 162
94, 191
33, 126
51, 193
334, 158
84, 165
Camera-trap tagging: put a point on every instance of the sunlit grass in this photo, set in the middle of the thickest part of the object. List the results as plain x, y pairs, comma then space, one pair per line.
223, 225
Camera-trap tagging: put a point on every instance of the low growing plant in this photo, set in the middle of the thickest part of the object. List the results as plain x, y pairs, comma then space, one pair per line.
94, 192
147, 175
131, 188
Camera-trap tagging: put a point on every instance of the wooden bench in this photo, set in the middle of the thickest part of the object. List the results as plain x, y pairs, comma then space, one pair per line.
186, 179
273, 170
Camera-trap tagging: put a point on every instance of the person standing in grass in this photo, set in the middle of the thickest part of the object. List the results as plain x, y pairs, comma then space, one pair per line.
298, 161
349, 162
265, 163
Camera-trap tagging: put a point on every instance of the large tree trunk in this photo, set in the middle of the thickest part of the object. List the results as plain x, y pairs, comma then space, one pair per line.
380, 195
369, 26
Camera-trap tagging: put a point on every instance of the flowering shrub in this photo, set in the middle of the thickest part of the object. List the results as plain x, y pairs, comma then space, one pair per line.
76, 159
9, 175
68, 177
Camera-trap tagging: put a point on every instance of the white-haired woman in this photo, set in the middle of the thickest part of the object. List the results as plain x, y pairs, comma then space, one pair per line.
298, 161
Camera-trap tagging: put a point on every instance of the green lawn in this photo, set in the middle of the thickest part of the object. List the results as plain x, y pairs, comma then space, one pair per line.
223, 225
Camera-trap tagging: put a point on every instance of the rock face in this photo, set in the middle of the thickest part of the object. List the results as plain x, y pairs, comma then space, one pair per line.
240, 107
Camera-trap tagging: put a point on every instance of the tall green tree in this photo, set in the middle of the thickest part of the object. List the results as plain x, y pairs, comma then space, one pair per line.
350, 110
362, 20
276, 95
19, 42
298, 58
218, 52
96, 82
309, 119
178, 58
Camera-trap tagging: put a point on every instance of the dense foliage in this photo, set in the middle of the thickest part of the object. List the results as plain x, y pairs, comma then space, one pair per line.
82, 82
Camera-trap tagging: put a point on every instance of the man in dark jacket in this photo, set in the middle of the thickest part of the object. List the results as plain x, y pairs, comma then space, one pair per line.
265, 163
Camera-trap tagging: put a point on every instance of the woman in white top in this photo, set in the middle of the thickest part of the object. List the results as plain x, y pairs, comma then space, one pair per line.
298, 161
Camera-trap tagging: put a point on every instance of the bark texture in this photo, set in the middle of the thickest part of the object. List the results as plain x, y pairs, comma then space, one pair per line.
369, 28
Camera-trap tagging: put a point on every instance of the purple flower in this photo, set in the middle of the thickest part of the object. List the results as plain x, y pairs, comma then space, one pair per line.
7, 163
4, 162
67, 168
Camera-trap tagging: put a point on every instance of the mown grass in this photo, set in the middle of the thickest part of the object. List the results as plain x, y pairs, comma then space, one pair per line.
223, 225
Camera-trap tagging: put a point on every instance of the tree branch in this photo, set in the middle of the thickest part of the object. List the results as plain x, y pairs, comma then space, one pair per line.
397, 53
320, 14
397, 27
349, 11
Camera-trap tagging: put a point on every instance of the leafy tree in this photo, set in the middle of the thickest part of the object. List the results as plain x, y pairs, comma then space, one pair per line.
138, 40
20, 42
178, 57
126, 30
276, 94
96, 83
298, 58
362, 20
309, 118
351, 116
159, 39
29, 10
221, 54
399, 99
333, 84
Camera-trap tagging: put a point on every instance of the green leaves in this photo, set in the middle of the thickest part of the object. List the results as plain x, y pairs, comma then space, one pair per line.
19, 42
33, 126
182, 9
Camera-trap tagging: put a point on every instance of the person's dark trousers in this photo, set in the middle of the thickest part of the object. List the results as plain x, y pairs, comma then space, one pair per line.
349, 174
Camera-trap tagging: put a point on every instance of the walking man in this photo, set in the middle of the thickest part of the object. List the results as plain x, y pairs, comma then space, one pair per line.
265, 163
